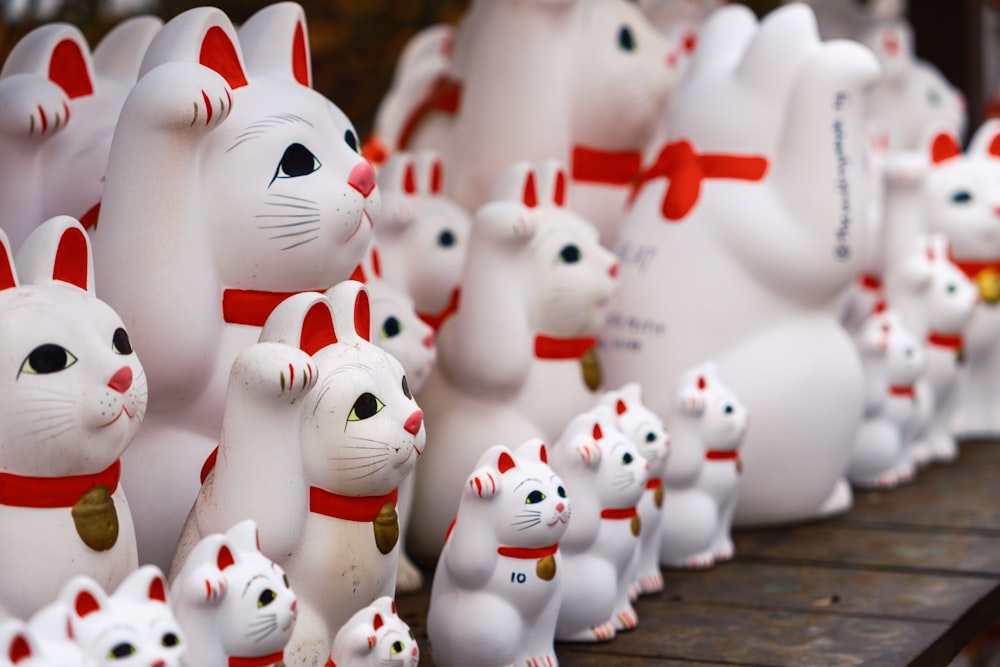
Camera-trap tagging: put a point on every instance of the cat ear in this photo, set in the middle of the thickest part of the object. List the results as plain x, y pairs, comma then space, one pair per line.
437, 176
244, 535
203, 35
16, 642
596, 432
543, 453
943, 146
119, 53
351, 310
620, 407
275, 43
8, 277
517, 183
505, 462
57, 51
58, 249
377, 622
145, 583
82, 596
986, 140
224, 558
303, 320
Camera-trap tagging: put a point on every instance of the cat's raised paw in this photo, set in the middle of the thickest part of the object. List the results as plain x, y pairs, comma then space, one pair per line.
32, 106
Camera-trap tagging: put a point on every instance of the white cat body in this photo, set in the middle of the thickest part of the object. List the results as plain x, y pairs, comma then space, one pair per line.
703, 475
499, 582
737, 248
375, 637
584, 82
72, 400
233, 602
323, 420
255, 191
604, 470
509, 363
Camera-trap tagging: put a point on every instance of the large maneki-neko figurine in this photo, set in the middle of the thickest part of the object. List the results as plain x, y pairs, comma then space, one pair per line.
742, 237
584, 82
231, 184
515, 361
73, 96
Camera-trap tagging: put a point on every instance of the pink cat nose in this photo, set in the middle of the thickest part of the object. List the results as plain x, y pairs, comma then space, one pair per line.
159, 663
295, 605
362, 178
613, 271
121, 380
414, 651
429, 340
560, 507
414, 422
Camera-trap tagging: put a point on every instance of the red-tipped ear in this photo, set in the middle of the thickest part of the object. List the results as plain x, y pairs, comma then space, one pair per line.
158, 589
376, 263
559, 196
701, 383
218, 53
505, 463
85, 603
392, 605
70, 265
225, 558
7, 276
543, 453
377, 622
944, 147
621, 408
530, 194
300, 56
19, 649
409, 179
68, 69
994, 148
317, 329
363, 316
437, 177
598, 433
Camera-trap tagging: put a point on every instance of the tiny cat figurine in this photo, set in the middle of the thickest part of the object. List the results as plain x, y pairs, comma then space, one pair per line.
320, 430
422, 234
375, 637
501, 562
702, 476
249, 185
233, 603
73, 396
40, 643
517, 358
134, 624
647, 431
606, 475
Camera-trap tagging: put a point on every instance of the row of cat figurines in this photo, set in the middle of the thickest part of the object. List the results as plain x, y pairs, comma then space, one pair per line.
230, 605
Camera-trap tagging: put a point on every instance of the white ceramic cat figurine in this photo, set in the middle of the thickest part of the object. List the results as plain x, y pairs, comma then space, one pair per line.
40, 643
936, 301
738, 249
648, 433
233, 603
375, 637
501, 562
703, 475
319, 431
606, 476
255, 191
66, 175
422, 234
585, 82
134, 624
515, 360
894, 360
73, 397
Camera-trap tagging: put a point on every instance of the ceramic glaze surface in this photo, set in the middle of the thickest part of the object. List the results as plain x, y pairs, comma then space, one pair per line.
375, 637
737, 248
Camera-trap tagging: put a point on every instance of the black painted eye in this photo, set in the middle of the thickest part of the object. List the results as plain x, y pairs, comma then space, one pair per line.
446, 238
366, 406
170, 639
47, 358
397, 647
266, 597
296, 161
728, 410
561, 492
951, 288
406, 389
120, 342
626, 40
122, 650
650, 437
961, 197
391, 328
570, 254
352, 141
534, 497
627, 458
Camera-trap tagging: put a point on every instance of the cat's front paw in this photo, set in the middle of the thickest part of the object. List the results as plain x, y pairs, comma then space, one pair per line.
484, 482
275, 370
31, 106
590, 454
181, 96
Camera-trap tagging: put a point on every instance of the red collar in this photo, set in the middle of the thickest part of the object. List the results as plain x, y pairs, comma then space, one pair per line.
627, 513
547, 347
654, 483
528, 554
445, 96
593, 165
247, 306
685, 169
722, 455
972, 267
435, 321
260, 661
362, 509
901, 391
24, 491
950, 341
